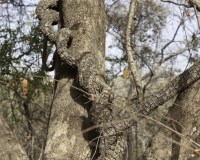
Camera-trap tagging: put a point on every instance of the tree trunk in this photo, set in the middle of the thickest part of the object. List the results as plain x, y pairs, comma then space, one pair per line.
80, 42
122, 89
85, 21
69, 114
183, 117
9, 146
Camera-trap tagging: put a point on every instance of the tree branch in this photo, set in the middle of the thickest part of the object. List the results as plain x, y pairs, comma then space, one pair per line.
162, 50
195, 10
166, 59
184, 5
176, 86
131, 63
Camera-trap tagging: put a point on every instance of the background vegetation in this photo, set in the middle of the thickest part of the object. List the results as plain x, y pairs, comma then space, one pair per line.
165, 43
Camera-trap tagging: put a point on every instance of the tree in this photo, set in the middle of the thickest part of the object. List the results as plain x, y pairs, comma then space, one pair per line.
69, 116
25, 111
101, 112
80, 41
149, 20
181, 141
178, 137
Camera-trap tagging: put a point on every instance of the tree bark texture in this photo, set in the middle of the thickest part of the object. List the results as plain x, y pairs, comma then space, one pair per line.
132, 66
183, 117
10, 147
195, 2
80, 42
122, 90
69, 114
176, 86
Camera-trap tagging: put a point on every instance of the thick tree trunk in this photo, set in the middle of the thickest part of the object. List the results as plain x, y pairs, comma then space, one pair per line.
183, 117
9, 146
69, 114
80, 42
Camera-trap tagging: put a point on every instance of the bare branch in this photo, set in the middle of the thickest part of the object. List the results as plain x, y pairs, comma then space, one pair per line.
166, 59
162, 50
176, 86
123, 42
131, 63
184, 5
152, 70
195, 3
195, 10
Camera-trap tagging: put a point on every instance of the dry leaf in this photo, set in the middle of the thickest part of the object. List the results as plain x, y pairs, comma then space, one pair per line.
9, 84
28, 137
24, 84
188, 13
125, 73
195, 153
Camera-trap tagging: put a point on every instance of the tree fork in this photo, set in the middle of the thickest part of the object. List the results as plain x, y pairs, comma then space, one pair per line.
85, 21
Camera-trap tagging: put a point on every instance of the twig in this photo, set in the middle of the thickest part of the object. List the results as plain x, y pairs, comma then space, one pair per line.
166, 59
80, 90
96, 145
195, 10
184, 5
132, 117
162, 50
2, 82
122, 41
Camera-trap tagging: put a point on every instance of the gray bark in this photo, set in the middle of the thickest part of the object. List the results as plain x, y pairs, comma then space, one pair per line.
9, 146
69, 114
183, 117
82, 30
132, 66
122, 90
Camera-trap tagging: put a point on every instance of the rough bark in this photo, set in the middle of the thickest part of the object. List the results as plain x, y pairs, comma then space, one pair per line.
122, 89
195, 2
132, 66
10, 148
80, 44
69, 114
176, 86
183, 117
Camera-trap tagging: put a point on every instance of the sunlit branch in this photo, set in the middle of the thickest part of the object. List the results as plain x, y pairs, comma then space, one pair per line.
184, 5
131, 63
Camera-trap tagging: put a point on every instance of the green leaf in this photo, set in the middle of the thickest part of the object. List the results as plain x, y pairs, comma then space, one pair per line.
29, 24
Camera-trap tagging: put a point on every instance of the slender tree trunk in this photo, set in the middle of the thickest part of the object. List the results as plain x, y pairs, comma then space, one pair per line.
69, 114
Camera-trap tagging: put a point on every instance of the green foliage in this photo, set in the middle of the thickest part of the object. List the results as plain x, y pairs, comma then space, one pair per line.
20, 57
20, 52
